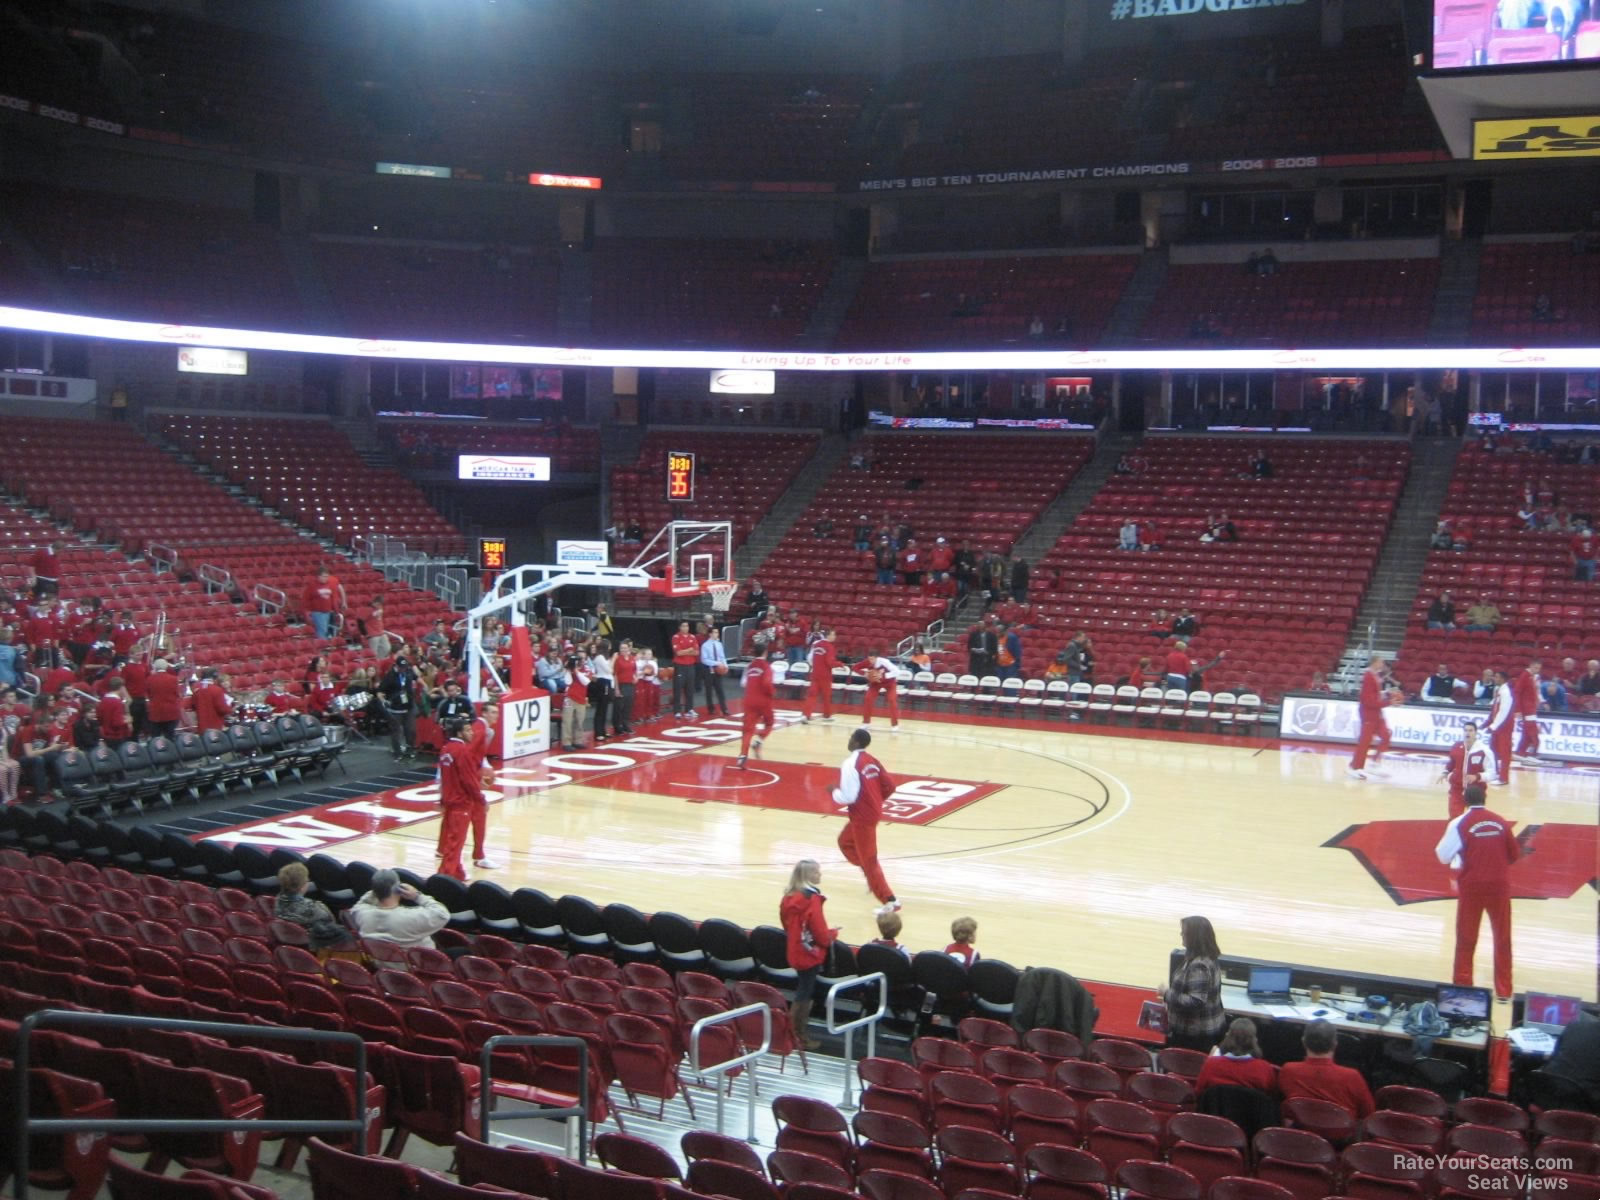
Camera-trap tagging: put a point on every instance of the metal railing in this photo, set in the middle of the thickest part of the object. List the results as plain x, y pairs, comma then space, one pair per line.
215, 578
486, 1112
269, 600
162, 557
870, 1020
717, 1070
27, 1125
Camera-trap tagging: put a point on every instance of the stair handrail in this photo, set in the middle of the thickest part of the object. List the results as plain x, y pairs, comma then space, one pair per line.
162, 557
215, 578
717, 1070
269, 600
870, 1020
26, 1124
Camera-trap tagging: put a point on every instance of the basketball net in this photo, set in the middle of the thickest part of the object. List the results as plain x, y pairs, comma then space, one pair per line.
721, 595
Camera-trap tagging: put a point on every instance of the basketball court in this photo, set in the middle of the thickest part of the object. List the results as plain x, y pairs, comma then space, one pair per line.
1076, 846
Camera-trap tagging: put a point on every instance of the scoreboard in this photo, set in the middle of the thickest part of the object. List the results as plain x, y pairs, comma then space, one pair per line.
680, 475
492, 554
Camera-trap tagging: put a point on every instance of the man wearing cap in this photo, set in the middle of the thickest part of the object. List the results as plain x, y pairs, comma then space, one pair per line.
163, 709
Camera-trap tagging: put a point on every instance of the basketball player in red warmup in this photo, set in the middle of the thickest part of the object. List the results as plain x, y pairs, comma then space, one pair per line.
1481, 845
863, 787
1374, 735
757, 707
460, 791
481, 740
882, 676
1525, 689
1501, 720
1471, 761
820, 690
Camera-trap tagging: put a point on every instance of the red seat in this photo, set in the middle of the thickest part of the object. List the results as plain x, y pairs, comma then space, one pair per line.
890, 1142
1419, 1101
1144, 1180
1065, 1173
975, 1158
1298, 1160
1237, 1187
697, 1144
321, 1091
1407, 1129
340, 1175
713, 1177
891, 1086
511, 1167
75, 1164
1484, 1110
814, 1127
981, 1031
1117, 1131
431, 1096
168, 1091
1087, 1081
1040, 1116
1320, 1117
1373, 1171
1207, 1147
1161, 1093
578, 1182
961, 1099
643, 1060
789, 1167
896, 1185
623, 1152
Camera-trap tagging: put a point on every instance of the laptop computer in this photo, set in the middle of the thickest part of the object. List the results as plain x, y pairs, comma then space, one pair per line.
1552, 1014
1457, 1003
1268, 985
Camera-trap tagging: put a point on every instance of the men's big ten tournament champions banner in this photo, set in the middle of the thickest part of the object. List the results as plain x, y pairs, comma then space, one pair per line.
1324, 718
1537, 137
524, 727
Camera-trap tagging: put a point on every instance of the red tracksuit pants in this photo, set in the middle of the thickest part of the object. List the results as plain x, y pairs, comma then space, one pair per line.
1374, 736
1528, 743
453, 837
819, 692
758, 719
1500, 743
891, 695
1470, 910
858, 842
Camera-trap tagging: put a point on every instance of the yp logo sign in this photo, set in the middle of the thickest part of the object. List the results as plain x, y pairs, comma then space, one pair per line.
1539, 137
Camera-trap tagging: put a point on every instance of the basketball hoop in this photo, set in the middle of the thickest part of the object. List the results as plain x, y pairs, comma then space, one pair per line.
721, 595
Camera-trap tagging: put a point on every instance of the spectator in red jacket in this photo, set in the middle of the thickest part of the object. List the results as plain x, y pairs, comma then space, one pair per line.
324, 596
1320, 1078
809, 937
1238, 1062
210, 703
165, 708
116, 723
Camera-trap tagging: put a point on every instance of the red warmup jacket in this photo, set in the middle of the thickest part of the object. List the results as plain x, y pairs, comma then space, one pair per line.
460, 784
1373, 701
809, 936
758, 684
1487, 848
874, 786
824, 658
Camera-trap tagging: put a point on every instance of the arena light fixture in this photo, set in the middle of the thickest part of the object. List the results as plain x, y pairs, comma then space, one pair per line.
1341, 358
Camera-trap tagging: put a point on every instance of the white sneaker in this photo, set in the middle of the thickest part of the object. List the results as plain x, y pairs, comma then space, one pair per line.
1497, 783
1355, 774
488, 864
895, 729
1377, 773
829, 720
755, 747
883, 910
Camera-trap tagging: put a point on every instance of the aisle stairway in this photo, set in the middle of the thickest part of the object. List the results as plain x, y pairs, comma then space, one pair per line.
1380, 622
765, 537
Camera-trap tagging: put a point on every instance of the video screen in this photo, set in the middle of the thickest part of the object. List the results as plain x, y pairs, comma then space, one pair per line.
1559, 1011
1503, 33
1463, 1003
